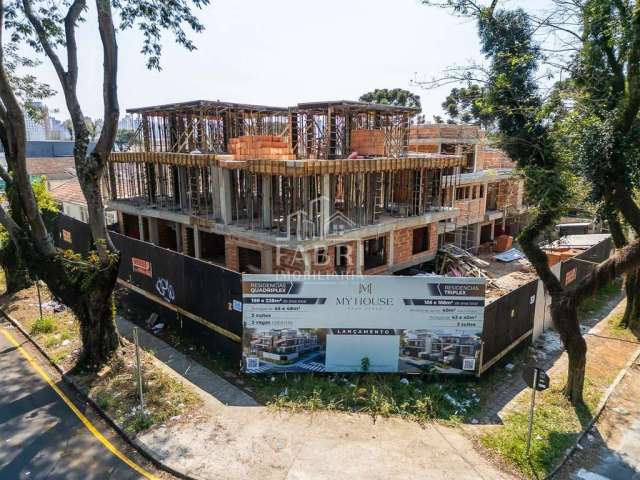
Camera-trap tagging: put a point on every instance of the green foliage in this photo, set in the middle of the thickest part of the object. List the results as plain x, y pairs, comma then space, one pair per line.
365, 364
45, 201
421, 399
465, 105
151, 17
603, 129
395, 96
557, 424
44, 325
94, 127
125, 137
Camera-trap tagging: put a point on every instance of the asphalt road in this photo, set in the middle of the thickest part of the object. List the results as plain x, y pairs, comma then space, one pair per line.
40, 436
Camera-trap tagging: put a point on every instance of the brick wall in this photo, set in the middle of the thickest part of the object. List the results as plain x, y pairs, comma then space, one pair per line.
288, 261
267, 147
424, 148
368, 142
231, 244
472, 210
403, 243
510, 194
495, 158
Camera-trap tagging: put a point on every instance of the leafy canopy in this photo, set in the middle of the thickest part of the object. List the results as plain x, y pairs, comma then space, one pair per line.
396, 96
150, 17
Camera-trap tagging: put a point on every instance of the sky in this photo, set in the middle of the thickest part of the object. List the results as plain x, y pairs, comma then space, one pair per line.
282, 52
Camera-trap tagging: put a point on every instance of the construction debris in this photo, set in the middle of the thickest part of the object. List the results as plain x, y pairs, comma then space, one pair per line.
502, 277
457, 262
510, 255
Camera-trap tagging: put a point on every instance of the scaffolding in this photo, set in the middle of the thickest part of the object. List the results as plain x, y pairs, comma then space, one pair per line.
283, 171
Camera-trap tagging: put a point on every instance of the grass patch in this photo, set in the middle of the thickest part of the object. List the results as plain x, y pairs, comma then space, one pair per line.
116, 391
377, 395
614, 329
556, 426
593, 304
44, 325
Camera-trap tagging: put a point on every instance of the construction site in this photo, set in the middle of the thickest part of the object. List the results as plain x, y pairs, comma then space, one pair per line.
326, 187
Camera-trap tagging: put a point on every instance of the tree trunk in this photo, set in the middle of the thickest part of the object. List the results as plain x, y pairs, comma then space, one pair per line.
87, 291
565, 318
97, 323
16, 274
631, 317
563, 306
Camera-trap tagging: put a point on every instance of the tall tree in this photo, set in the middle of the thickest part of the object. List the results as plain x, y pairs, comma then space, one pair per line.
464, 105
394, 96
526, 123
29, 92
603, 128
49, 26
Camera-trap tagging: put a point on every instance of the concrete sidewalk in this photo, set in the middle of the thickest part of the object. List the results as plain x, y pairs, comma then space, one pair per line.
611, 449
234, 438
216, 387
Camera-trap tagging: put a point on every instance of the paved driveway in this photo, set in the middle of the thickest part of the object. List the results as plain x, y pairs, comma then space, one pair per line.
40, 437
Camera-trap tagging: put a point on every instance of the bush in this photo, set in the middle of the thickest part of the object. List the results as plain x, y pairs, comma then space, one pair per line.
44, 325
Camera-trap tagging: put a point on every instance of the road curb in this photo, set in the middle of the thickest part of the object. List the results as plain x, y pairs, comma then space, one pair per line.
603, 403
132, 442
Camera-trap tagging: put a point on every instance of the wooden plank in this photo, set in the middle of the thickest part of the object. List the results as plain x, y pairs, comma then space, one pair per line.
181, 311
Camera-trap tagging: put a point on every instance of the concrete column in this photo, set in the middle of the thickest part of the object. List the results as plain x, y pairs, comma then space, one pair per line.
476, 151
214, 180
359, 257
120, 222
266, 258
307, 262
390, 249
325, 205
179, 243
183, 185
153, 230
141, 227
196, 241
225, 196
267, 194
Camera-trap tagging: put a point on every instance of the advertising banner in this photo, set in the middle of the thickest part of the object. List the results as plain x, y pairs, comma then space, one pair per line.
354, 324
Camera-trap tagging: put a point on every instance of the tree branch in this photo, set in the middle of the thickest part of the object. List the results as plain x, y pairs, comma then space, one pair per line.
10, 226
43, 37
70, 35
632, 104
16, 139
110, 79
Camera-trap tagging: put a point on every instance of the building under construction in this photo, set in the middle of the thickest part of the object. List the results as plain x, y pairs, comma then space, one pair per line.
323, 187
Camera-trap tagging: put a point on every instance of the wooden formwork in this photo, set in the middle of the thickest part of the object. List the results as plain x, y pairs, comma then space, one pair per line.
293, 168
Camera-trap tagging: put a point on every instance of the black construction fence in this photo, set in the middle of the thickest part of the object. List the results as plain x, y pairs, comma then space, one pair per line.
204, 301
196, 298
508, 321
575, 269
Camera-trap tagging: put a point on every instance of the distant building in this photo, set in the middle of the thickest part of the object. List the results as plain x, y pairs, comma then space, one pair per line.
46, 128
129, 122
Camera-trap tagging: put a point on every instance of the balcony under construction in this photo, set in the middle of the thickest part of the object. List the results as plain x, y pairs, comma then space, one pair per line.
268, 173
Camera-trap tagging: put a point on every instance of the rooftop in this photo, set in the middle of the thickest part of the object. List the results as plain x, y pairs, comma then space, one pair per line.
69, 192
54, 168
206, 105
354, 105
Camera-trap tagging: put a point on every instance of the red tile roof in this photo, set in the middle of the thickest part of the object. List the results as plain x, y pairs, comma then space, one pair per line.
54, 168
69, 191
